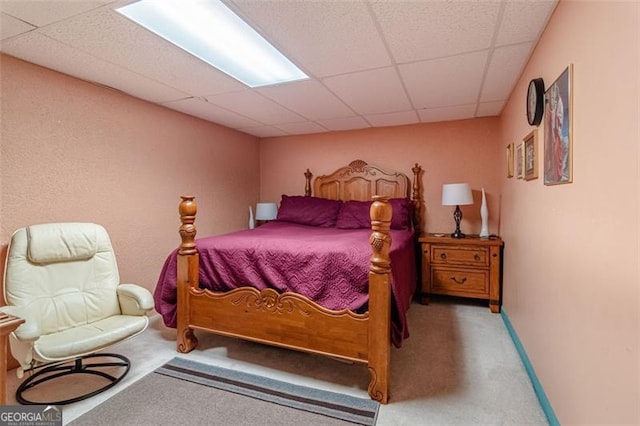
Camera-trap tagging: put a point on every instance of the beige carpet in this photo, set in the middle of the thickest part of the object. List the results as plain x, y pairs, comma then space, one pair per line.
219, 396
458, 367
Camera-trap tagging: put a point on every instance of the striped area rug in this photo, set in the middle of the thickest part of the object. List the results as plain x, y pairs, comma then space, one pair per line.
189, 392
339, 406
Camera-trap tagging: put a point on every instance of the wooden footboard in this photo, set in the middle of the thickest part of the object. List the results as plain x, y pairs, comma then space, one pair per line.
290, 320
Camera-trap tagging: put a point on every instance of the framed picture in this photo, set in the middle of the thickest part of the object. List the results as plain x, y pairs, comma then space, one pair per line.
558, 121
510, 160
519, 160
531, 155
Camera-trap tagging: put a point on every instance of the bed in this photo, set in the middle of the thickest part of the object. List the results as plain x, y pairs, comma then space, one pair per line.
356, 315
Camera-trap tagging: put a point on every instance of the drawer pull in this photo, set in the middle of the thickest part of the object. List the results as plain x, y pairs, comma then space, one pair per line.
443, 256
476, 257
455, 280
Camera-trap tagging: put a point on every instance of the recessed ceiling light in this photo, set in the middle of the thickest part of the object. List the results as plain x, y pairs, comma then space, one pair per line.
209, 30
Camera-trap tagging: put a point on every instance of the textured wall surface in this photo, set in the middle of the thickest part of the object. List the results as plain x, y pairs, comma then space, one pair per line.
571, 282
449, 152
73, 151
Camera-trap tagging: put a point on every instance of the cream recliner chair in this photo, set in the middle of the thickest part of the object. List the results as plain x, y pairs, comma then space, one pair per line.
62, 278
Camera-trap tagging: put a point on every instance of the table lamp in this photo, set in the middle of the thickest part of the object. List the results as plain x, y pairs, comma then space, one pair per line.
266, 211
456, 194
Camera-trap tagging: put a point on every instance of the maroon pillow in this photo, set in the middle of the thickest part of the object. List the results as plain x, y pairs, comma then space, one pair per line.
402, 213
312, 211
354, 215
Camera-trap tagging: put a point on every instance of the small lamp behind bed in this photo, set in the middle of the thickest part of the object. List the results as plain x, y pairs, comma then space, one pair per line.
266, 212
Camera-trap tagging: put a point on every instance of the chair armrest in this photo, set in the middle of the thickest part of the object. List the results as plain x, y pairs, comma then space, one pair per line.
29, 330
134, 300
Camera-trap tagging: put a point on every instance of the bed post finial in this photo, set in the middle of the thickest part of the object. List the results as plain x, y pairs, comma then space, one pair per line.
416, 196
188, 210
307, 185
380, 238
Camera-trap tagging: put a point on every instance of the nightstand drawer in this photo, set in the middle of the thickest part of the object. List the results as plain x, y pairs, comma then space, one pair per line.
460, 282
473, 256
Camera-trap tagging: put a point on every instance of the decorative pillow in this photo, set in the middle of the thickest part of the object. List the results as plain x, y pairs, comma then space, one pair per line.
312, 211
402, 213
354, 215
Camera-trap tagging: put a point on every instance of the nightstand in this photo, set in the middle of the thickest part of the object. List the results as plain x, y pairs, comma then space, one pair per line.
463, 267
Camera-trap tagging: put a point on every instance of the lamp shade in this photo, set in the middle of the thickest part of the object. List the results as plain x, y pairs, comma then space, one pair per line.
266, 211
456, 194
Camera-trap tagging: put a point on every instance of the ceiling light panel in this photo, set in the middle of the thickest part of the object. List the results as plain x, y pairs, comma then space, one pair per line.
210, 31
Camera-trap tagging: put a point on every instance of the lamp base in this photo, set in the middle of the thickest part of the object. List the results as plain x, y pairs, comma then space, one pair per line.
457, 216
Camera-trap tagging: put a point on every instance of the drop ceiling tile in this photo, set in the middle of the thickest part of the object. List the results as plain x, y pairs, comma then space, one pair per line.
207, 111
506, 65
448, 81
264, 131
447, 113
308, 98
356, 91
133, 47
44, 12
304, 127
524, 21
254, 105
393, 119
39, 49
10, 26
418, 30
322, 38
338, 41
489, 109
348, 123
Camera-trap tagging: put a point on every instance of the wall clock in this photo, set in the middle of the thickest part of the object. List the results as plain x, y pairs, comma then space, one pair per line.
535, 101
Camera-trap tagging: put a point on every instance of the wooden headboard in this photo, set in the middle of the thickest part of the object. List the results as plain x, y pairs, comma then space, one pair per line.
360, 181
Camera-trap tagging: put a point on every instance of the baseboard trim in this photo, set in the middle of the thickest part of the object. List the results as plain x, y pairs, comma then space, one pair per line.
537, 386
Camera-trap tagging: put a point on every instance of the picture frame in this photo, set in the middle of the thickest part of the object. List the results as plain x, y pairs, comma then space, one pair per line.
510, 160
519, 160
558, 133
531, 155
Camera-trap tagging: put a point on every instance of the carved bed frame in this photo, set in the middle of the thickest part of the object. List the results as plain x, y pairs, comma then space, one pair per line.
290, 320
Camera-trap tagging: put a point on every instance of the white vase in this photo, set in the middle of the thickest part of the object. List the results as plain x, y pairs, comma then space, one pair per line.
484, 214
252, 222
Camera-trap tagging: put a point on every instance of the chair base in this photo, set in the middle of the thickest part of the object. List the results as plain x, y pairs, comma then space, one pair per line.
50, 372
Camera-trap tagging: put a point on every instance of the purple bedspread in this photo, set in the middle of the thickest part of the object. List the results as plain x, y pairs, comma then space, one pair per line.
328, 265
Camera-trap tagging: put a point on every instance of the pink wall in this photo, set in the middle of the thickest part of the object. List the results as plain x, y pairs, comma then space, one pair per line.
458, 151
571, 284
73, 151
